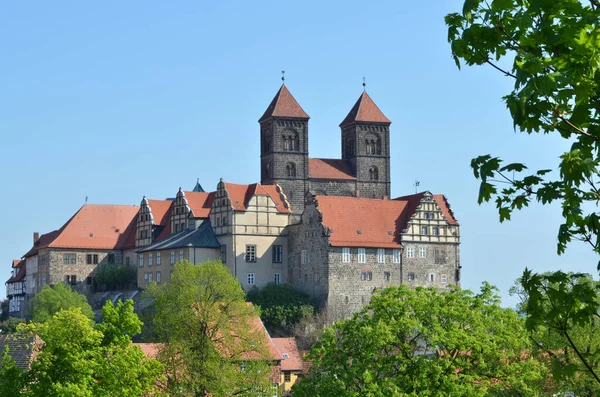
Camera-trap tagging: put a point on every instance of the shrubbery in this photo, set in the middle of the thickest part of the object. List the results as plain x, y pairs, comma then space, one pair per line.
116, 276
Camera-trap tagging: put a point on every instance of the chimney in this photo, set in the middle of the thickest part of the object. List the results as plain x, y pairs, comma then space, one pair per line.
36, 237
357, 193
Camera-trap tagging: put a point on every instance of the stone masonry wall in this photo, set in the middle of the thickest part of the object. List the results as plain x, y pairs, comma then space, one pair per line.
333, 187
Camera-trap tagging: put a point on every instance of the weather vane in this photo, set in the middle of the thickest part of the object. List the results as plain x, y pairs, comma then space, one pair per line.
283, 75
364, 83
416, 185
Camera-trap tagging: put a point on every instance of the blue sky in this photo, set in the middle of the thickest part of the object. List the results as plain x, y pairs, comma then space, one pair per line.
116, 100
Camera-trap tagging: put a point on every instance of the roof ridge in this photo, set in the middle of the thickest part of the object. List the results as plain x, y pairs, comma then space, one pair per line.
370, 113
284, 105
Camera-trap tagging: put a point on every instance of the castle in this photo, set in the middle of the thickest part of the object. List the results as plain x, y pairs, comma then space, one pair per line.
328, 227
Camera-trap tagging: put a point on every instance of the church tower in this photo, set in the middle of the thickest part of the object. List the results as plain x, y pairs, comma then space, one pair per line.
366, 144
284, 147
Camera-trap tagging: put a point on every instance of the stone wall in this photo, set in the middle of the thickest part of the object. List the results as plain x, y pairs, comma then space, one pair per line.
333, 187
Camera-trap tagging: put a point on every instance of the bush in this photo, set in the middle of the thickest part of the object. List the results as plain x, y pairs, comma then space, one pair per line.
116, 276
281, 307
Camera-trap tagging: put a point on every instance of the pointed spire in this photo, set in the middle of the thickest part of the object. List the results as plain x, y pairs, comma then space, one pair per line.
365, 110
284, 105
198, 187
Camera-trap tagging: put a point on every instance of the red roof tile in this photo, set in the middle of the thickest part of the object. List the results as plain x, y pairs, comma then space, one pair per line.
150, 350
97, 226
287, 347
42, 242
160, 211
330, 169
240, 195
284, 105
441, 201
200, 203
372, 223
17, 264
365, 110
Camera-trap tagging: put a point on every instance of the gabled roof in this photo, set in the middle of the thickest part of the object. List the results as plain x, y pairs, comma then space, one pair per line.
160, 211
415, 199
202, 237
20, 265
240, 195
200, 203
94, 226
362, 222
330, 169
291, 360
20, 348
284, 105
365, 111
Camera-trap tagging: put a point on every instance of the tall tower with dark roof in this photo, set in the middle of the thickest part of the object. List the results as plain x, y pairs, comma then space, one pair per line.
366, 145
284, 147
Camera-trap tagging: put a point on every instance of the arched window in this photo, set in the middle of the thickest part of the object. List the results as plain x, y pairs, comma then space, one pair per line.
291, 143
290, 170
373, 145
373, 174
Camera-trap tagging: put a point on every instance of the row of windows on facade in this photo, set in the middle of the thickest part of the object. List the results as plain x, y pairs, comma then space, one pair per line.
372, 146
72, 279
431, 277
289, 143
276, 253
155, 259
361, 254
149, 277
290, 171
251, 278
90, 259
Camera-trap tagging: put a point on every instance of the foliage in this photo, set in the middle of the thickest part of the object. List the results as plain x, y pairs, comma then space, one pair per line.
565, 326
10, 325
53, 298
116, 275
206, 328
12, 378
4, 310
77, 359
425, 343
281, 307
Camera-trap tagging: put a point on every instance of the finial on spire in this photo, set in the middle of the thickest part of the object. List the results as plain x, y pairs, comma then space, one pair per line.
364, 83
283, 76
416, 185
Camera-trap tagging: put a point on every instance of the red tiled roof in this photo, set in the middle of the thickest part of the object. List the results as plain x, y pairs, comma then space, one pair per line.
441, 201
150, 350
365, 110
42, 242
240, 195
287, 346
200, 203
284, 105
362, 222
330, 169
97, 226
160, 211
17, 264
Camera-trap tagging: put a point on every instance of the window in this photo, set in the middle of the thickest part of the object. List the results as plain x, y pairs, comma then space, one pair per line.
224, 221
290, 170
362, 257
410, 252
141, 261
111, 259
66, 259
386, 276
306, 277
431, 277
251, 254
158, 277
424, 230
172, 257
277, 278
157, 258
150, 259
180, 255
373, 174
277, 253
177, 228
396, 255
149, 277
411, 276
303, 257
182, 226
287, 376
444, 278
223, 254
71, 279
345, 255
435, 231
422, 252
88, 259
316, 277
95, 259
366, 276
380, 255
250, 278
440, 256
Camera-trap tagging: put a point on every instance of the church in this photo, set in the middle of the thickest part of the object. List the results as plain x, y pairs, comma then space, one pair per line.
328, 227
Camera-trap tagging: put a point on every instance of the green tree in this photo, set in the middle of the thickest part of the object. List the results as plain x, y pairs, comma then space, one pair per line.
551, 51
209, 340
425, 343
281, 307
10, 325
116, 275
78, 359
12, 378
53, 298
